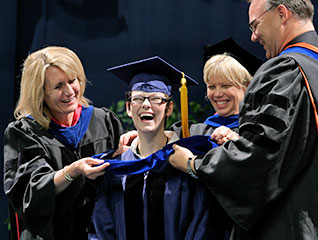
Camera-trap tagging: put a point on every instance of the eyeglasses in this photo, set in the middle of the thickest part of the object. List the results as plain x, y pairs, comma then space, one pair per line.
252, 26
152, 99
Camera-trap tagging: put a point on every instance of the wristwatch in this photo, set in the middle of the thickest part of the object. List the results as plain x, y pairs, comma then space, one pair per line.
189, 169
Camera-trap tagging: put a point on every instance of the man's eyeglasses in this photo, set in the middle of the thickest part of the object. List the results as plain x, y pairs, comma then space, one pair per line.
152, 99
252, 25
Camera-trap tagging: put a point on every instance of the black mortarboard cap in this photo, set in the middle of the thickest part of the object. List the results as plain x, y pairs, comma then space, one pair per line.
248, 60
150, 75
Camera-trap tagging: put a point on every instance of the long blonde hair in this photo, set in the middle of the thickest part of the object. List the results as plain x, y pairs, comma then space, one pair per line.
31, 100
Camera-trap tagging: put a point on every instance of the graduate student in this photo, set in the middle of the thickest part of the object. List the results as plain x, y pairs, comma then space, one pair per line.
162, 203
267, 179
48, 174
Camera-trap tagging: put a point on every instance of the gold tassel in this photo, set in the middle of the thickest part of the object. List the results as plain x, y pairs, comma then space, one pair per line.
184, 107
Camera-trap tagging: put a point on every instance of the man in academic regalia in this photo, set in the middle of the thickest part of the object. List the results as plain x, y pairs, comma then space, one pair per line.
267, 179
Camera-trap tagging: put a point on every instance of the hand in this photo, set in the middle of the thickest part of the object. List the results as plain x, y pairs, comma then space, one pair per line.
179, 159
223, 134
84, 166
87, 167
125, 141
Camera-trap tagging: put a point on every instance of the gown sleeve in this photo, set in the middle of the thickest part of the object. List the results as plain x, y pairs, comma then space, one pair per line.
250, 175
28, 177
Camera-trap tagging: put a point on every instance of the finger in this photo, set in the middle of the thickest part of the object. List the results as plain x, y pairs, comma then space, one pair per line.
124, 140
118, 151
219, 134
115, 154
121, 140
100, 167
218, 137
224, 139
104, 165
94, 162
213, 136
220, 142
175, 146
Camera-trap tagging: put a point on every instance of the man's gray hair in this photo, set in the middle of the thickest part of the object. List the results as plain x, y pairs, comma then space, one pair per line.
302, 9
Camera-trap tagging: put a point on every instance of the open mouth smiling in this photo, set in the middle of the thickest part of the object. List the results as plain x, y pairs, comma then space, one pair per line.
146, 116
68, 100
221, 103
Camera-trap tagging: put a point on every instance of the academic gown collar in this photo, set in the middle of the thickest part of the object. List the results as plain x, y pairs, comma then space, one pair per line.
310, 37
216, 121
71, 136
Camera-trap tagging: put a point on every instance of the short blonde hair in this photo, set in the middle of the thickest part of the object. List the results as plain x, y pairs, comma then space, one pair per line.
31, 100
226, 67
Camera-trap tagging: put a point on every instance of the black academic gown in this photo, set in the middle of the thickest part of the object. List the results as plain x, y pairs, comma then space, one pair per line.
164, 203
31, 158
267, 180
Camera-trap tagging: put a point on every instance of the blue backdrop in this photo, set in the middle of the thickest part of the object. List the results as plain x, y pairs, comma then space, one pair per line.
106, 33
